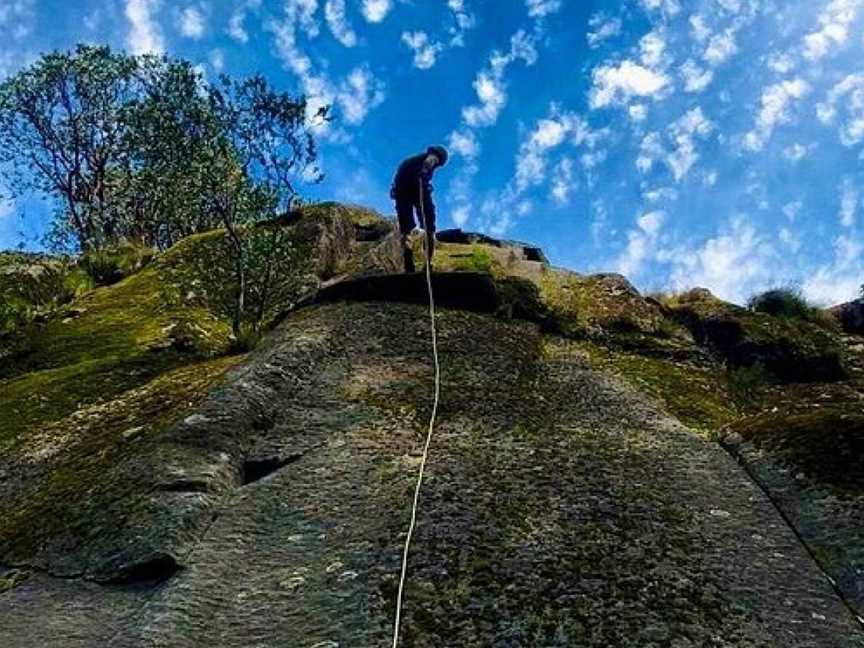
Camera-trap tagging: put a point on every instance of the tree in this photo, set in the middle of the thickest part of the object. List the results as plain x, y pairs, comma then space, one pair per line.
260, 146
63, 133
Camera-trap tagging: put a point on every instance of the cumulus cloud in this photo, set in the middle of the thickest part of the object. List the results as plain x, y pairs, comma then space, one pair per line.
334, 14
236, 27
425, 51
696, 79
848, 202
834, 23
562, 181
617, 83
145, 35
652, 46
17, 18
684, 132
797, 152
191, 22
776, 100
541, 8
356, 95
851, 92
376, 10
668, 7
641, 241
359, 93
549, 133
720, 47
464, 143
838, 280
603, 28
490, 85
732, 264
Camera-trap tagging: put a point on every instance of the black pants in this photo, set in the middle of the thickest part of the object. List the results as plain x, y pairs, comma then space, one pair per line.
406, 206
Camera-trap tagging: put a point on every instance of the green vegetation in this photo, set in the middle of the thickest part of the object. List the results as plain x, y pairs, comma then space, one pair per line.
789, 303
140, 148
697, 396
825, 443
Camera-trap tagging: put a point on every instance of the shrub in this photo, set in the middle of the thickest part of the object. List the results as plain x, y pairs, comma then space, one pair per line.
746, 384
109, 265
789, 302
781, 302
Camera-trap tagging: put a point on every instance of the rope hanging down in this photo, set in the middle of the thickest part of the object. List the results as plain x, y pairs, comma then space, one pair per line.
431, 420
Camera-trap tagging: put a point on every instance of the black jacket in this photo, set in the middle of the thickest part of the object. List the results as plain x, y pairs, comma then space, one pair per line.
406, 183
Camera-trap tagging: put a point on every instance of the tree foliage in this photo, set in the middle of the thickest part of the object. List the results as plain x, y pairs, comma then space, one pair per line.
139, 148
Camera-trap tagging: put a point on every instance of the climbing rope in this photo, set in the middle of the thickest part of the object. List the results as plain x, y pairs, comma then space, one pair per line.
432, 418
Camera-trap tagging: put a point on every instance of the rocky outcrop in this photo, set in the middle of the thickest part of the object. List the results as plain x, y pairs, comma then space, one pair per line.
851, 316
167, 495
561, 508
792, 349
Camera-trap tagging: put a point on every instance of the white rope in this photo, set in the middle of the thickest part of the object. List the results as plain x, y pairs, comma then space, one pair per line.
431, 421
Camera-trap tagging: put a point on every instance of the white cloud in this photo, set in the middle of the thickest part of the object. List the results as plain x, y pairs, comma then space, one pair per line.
699, 29
792, 209
217, 60
638, 112
425, 51
775, 110
356, 95
840, 279
732, 265
652, 46
720, 47
789, 239
604, 28
359, 93
650, 151
145, 35
851, 91
464, 143
549, 133
490, 85
191, 22
541, 8
460, 215
834, 23
683, 133
696, 79
660, 194
236, 28
17, 18
780, 63
562, 181
669, 7
614, 84
334, 14
376, 10
848, 202
797, 152
640, 243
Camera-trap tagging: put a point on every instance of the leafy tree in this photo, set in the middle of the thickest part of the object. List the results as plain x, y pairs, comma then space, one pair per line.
63, 133
261, 145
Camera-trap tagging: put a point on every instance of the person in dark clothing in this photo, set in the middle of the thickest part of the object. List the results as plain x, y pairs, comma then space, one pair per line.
412, 191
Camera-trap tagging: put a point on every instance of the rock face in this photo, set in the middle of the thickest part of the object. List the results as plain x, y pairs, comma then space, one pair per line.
851, 316
564, 505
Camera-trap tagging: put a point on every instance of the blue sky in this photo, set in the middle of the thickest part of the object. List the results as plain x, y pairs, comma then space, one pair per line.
717, 143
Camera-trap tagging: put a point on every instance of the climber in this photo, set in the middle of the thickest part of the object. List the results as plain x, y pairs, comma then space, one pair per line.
412, 191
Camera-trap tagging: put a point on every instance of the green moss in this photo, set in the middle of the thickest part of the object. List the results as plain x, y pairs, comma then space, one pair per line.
825, 443
91, 444
12, 578
109, 265
697, 396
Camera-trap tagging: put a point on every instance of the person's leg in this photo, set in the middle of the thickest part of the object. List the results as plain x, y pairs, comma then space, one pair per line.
405, 215
429, 223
